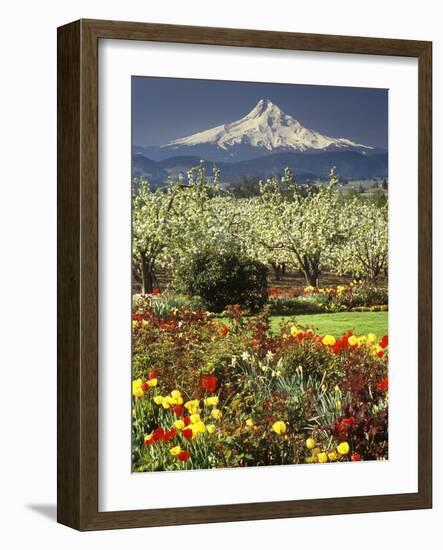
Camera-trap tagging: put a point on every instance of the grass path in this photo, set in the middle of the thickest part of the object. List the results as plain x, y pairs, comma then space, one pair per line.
338, 323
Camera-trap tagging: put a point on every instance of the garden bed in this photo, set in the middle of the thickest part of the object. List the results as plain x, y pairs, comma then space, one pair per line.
210, 394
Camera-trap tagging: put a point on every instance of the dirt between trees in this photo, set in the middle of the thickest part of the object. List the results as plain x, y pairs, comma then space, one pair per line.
291, 279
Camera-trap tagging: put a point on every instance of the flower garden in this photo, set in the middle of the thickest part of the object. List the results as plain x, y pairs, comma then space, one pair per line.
227, 368
209, 394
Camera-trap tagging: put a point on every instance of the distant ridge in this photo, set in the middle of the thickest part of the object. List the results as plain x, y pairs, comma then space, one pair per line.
306, 167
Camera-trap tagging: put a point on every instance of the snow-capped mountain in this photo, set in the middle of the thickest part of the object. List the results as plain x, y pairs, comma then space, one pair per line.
264, 130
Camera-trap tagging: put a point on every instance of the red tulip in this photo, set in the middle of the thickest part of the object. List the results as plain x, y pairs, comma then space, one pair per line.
158, 434
383, 385
345, 424
355, 457
184, 456
188, 433
384, 342
170, 434
337, 347
152, 375
209, 383
177, 410
223, 330
348, 421
145, 386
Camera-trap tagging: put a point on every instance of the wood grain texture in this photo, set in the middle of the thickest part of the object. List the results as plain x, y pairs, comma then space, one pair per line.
254, 38
425, 273
68, 276
77, 430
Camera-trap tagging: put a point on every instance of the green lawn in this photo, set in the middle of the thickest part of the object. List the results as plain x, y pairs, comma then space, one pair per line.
338, 323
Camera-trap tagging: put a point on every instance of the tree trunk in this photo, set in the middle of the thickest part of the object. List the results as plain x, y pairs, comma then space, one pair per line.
373, 274
374, 270
278, 270
147, 275
311, 269
311, 278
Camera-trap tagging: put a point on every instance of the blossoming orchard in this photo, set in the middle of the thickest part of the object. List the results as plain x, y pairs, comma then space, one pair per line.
259, 325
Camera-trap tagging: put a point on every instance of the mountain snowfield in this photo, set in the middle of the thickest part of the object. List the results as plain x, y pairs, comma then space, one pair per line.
258, 145
266, 129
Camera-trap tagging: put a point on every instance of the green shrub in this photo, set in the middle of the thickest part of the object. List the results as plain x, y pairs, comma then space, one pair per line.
298, 305
225, 279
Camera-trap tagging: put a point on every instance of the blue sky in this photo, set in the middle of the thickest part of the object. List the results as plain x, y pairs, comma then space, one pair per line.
168, 108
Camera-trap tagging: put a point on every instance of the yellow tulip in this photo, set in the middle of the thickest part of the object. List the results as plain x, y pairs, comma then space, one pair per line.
322, 457
216, 414
195, 418
343, 448
249, 422
176, 396
210, 428
352, 340
362, 340
137, 390
192, 406
279, 427
328, 340
152, 383
179, 424
175, 450
198, 427
310, 443
211, 400
295, 331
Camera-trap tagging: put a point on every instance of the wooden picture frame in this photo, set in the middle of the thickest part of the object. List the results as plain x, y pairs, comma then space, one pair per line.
78, 274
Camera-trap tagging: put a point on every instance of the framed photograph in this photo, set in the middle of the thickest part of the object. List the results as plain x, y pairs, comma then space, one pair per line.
244, 275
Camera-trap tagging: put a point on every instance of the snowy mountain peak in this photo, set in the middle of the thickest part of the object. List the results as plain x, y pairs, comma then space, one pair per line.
265, 106
266, 128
